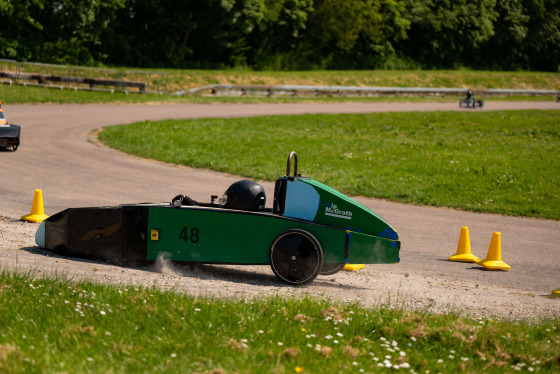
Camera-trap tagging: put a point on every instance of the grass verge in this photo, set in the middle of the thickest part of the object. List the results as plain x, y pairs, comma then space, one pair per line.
501, 162
53, 325
370, 78
172, 80
186, 79
17, 94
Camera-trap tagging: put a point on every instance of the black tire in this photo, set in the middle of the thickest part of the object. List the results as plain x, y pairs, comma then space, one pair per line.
296, 257
330, 269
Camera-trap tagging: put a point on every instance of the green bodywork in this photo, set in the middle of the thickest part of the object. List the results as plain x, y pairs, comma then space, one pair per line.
346, 230
327, 206
228, 236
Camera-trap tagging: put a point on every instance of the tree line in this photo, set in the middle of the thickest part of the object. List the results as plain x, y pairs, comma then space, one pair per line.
285, 34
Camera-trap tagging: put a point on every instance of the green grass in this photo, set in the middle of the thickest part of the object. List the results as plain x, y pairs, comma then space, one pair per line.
502, 162
57, 326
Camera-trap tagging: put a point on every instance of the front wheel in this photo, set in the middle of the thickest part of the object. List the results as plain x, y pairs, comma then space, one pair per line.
296, 257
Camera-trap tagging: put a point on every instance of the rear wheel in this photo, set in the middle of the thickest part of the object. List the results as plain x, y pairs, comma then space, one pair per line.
296, 257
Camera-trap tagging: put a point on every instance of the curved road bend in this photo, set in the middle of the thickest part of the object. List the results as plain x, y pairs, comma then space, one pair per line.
57, 157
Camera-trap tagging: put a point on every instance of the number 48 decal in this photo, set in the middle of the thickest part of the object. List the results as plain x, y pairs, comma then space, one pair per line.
191, 235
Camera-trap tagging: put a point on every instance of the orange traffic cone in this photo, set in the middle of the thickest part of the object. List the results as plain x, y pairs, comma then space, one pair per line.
493, 260
464, 248
37, 212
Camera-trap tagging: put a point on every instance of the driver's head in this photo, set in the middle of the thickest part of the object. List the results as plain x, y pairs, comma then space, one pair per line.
244, 195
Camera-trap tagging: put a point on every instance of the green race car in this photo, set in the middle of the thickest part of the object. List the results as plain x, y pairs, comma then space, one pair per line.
311, 229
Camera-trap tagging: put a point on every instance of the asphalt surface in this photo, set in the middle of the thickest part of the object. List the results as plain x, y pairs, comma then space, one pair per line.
59, 155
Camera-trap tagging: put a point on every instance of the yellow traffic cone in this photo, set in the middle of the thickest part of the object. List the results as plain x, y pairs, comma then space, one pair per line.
353, 267
493, 260
37, 212
464, 248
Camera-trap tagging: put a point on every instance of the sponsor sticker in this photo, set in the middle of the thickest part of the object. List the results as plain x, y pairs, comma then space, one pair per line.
333, 211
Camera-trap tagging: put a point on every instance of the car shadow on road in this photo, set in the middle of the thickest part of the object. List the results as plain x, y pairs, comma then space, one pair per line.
257, 275
218, 272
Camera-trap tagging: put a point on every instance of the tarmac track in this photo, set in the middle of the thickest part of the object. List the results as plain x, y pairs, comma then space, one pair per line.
59, 155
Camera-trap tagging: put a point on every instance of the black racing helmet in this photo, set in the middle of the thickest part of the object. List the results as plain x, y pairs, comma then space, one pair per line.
244, 195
